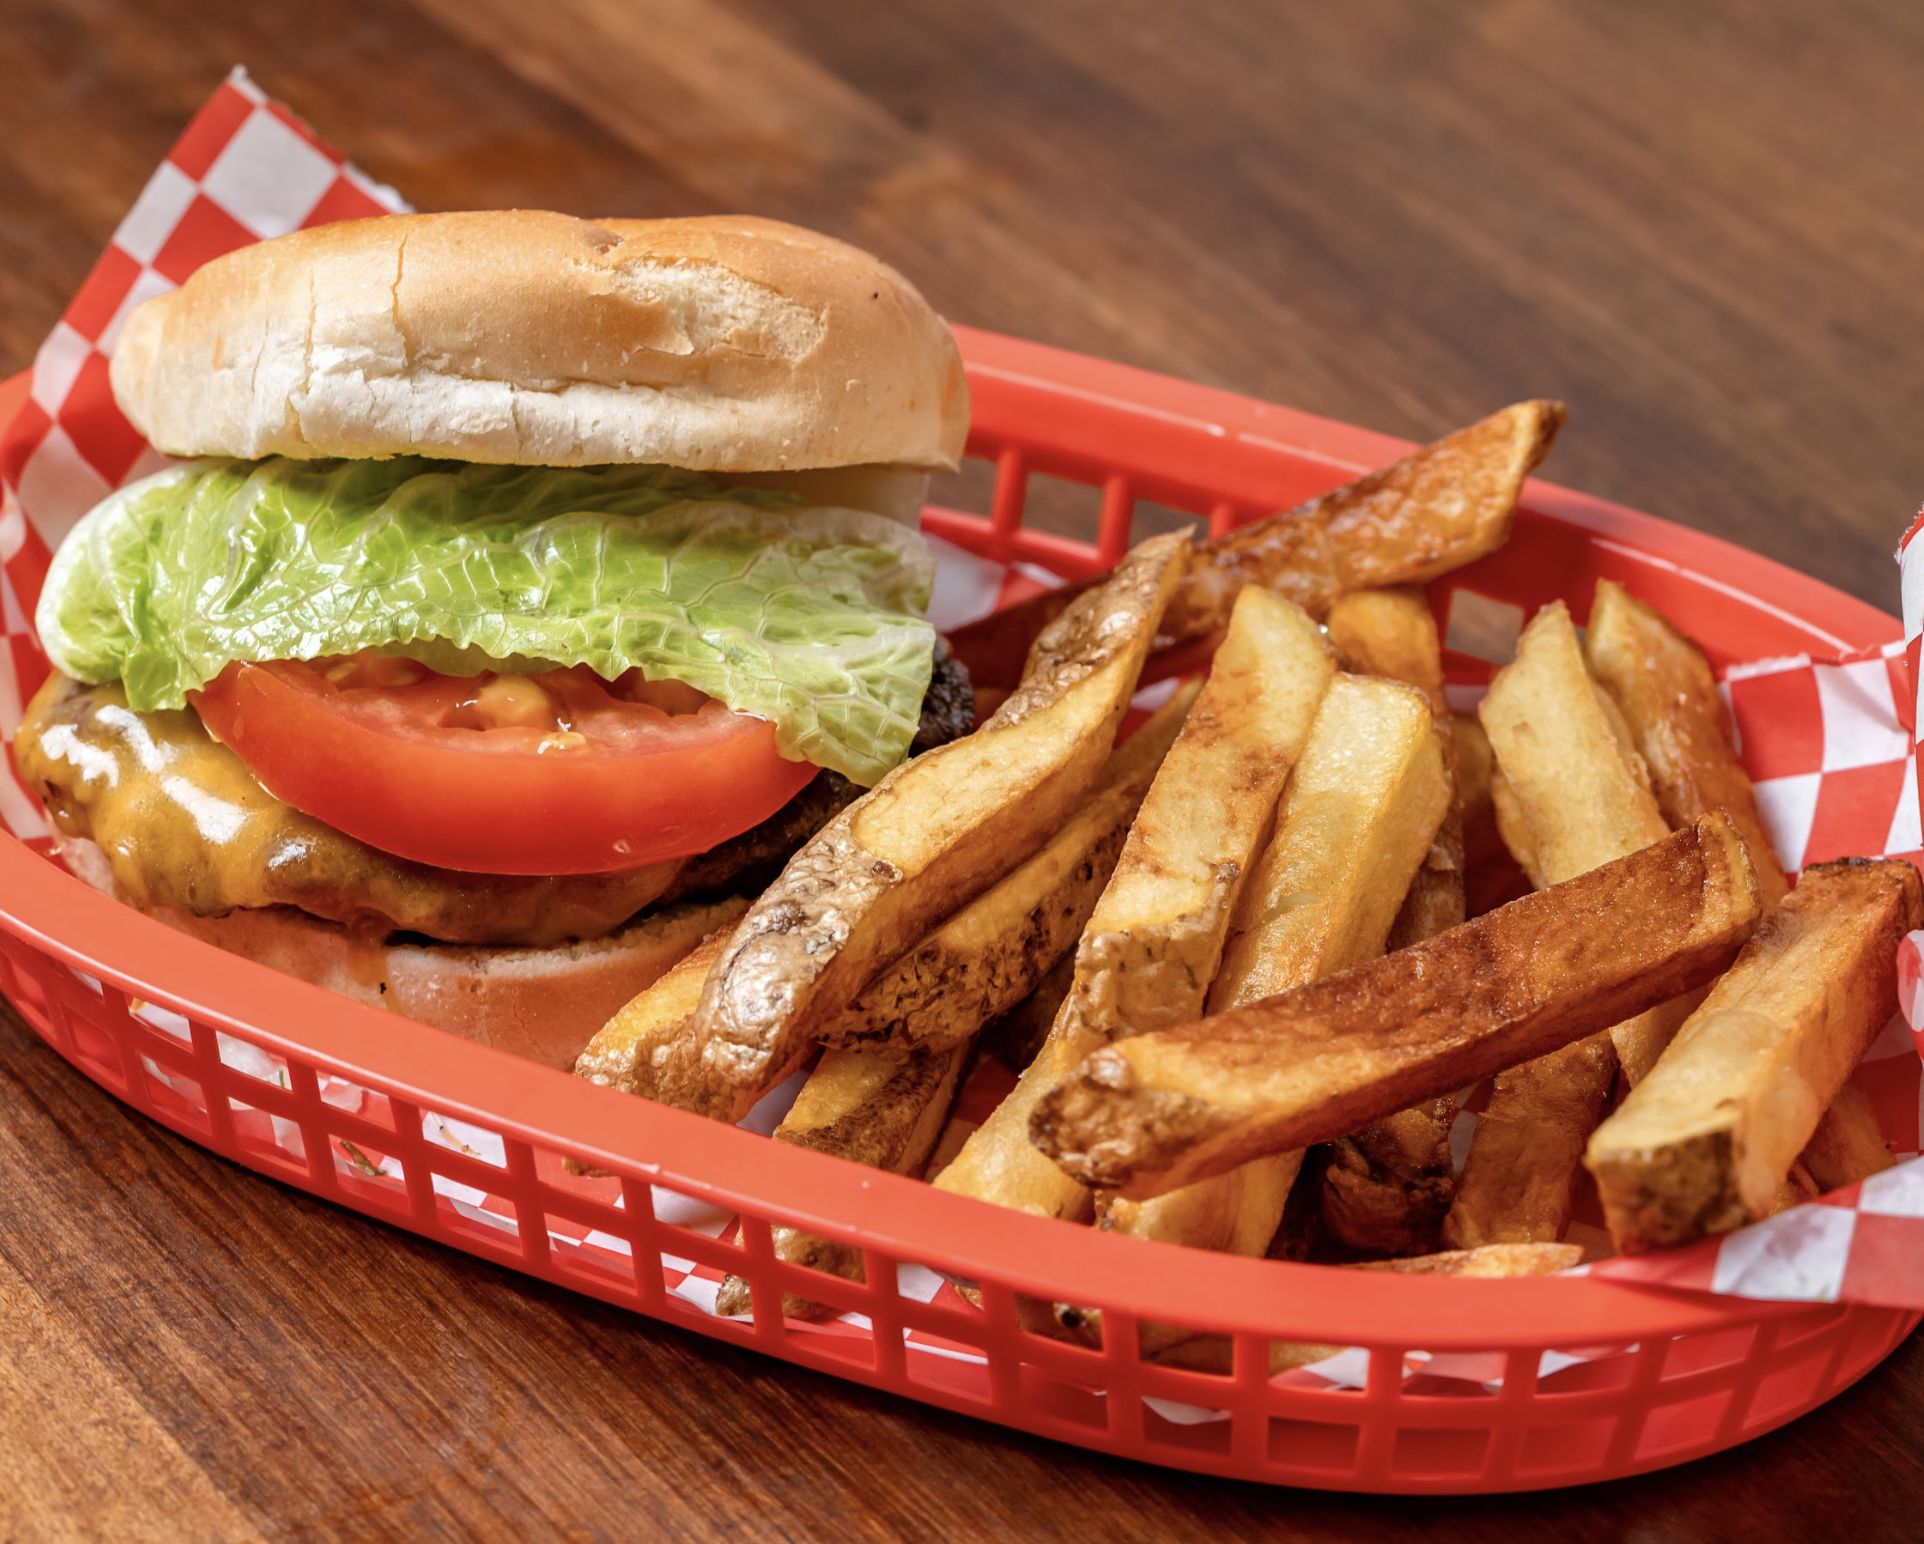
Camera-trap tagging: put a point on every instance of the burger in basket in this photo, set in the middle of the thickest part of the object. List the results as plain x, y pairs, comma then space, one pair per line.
534, 588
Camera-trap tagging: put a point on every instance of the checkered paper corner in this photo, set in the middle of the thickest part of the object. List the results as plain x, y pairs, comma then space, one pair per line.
245, 169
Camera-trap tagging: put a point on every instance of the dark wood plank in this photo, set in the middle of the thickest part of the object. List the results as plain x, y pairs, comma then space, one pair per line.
1698, 222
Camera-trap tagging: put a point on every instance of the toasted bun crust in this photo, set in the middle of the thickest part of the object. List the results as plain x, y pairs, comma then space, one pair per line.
724, 343
544, 1004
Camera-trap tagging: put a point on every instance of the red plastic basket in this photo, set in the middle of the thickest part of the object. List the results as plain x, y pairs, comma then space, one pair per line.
1527, 1383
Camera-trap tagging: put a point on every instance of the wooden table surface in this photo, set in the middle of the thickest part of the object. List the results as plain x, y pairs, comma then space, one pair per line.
1701, 224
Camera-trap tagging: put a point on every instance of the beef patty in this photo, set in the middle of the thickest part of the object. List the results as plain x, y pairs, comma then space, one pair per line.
184, 823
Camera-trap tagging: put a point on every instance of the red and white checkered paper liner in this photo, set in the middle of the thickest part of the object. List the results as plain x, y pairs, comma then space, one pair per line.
1829, 743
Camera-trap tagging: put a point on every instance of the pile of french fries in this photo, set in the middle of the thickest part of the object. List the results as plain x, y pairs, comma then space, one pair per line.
1230, 952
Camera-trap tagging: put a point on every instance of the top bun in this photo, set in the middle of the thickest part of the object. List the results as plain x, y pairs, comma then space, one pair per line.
725, 344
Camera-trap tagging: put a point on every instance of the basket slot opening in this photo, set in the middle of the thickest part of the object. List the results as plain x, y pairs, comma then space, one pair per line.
1790, 1389
1875, 1331
1482, 627
1449, 1377
1189, 1428
1323, 1448
1691, 1355
477, 1144
1565, 1447
1439, 1452
1600, 1372
488, 1224
252, 1061
1153, 519
1058, 506
1679, 1427
599, 1261
175, 1096
1061, 1402
1793, 1329
367, 1175
969, 490
272, 1141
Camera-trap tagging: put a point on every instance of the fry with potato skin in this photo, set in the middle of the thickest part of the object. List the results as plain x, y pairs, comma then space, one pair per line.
991, 954
881, 1112
1387, 1187
1156, 1112
1664, 687
646, 1049
1571, 792
1155, 941
1156, 937
935, 832
1443, 505
1705, 1142
1392, 633
1848, 1145
1362, 810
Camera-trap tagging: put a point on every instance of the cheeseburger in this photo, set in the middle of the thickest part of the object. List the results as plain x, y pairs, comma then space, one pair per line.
529, 590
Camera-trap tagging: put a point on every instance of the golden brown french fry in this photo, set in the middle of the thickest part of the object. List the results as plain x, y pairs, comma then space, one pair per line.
1374, 789
1669, 699
646, 1048
991, 954
1438, 508
1572, 793
1015, 1038
1156, 937
1212, 1353
1527, 1147
1392, 633
998, 1164
1848, 1144
1387, 1187
879, 1111
1149, 1114
1362, 809
1703, 1144
935, 832
1475, 765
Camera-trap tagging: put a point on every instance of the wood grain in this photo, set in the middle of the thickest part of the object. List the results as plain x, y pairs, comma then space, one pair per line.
1701, 224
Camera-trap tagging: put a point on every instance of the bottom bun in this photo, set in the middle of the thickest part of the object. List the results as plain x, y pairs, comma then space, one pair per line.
543, 1004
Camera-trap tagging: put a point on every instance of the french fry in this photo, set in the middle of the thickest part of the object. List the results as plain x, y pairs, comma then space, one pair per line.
1438, 508
1668, 697
934, 833
1475, 767
1848, 1144
646, 1048
1392, 633
1016, 1037
1156, 1112
1213, 1353
1325, 898
1156, 937
879, 1111
1704, 1143
1362, 809
1388, 1185
1386, 1188
1572, 793
991, 954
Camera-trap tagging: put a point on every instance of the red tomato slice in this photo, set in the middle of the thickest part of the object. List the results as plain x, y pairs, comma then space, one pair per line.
557, 773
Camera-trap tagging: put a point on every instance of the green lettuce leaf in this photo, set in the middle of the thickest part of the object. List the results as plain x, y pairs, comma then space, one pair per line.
809, 617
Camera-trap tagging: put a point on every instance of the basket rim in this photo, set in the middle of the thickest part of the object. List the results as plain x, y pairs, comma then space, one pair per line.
904, 1217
